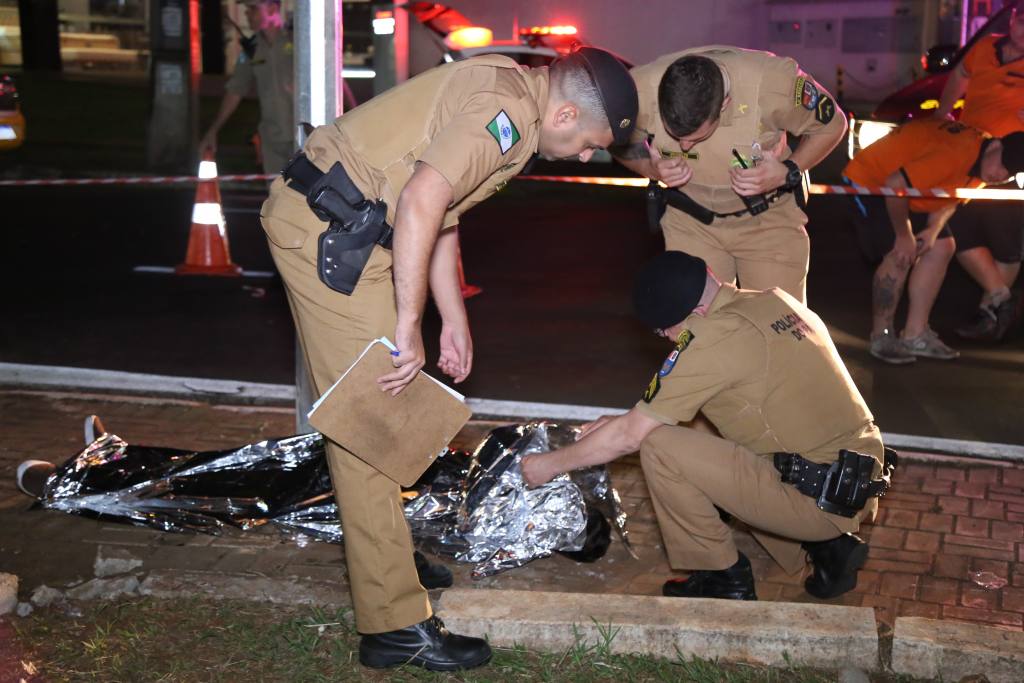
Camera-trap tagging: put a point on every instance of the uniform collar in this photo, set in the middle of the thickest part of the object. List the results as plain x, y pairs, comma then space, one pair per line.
726, 117
725, 295
538, 81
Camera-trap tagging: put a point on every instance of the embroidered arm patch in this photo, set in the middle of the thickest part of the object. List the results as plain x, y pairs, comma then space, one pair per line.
682, 341
503, 131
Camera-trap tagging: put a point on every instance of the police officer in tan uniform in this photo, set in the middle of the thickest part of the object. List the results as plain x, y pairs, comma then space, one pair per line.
762, 368
696, 108
418, 156
266, 62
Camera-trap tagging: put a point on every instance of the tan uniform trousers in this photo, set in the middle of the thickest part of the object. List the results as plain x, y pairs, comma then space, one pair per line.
689, 472
763, 251
333, 330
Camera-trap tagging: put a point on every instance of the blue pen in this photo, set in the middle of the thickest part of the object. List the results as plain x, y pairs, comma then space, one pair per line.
395, 353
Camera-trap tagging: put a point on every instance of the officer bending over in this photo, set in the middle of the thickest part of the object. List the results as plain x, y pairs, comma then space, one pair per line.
799, 460
415, 158
713, 127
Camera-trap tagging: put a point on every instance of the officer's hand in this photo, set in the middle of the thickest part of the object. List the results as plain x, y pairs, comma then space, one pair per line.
535, 471
769, 174
593, 426
456, 358
905, 249
672, 172
407, 363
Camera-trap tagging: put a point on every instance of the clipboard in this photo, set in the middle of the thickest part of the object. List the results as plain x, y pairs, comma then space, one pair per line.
400, 435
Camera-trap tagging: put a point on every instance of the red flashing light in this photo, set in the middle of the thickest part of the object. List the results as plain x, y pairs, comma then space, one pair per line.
548, 31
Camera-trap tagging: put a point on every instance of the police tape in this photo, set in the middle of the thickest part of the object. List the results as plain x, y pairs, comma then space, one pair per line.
815, 188
932, 193
139, 180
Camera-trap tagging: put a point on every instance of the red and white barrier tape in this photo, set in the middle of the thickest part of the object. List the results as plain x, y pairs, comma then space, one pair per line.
141, 180
932, 193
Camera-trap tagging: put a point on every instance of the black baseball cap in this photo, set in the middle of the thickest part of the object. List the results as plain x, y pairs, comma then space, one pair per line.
1013, 152
668, 288
616, 88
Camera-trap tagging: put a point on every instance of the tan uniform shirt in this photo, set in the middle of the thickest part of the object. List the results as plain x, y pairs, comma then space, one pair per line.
763, 369
476, 122
271, 70
771, 96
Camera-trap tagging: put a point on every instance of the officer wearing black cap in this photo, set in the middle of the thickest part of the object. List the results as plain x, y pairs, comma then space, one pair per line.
391, 178
762, 368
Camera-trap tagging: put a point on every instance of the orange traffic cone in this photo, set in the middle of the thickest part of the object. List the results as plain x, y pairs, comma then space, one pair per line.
208, 252
467, 290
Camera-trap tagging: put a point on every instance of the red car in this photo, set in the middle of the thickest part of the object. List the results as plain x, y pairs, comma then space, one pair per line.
921, 98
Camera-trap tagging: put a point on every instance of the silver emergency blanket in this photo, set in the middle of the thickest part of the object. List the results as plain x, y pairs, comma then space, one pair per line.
473, 507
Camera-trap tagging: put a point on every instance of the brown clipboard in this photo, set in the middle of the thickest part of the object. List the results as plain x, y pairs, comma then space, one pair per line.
398, 435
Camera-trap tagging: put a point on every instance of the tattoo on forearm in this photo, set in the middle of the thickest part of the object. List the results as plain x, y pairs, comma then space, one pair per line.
636, 150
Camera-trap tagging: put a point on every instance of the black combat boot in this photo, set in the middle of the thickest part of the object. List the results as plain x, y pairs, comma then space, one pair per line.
427, 644
734, 583
432, 575
835, 565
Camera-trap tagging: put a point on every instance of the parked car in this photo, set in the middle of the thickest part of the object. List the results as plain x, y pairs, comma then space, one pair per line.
12, 121
921, 98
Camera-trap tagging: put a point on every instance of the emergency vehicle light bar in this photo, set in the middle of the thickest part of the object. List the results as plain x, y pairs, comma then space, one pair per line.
469, 36
548, 31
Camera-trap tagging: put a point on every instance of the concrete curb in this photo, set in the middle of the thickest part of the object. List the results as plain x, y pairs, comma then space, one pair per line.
44, 377
175, 583
929, 648
767, 633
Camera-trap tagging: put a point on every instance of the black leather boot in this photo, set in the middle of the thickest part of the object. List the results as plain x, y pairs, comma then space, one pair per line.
734, 583
432, 575
835, 565
427, 644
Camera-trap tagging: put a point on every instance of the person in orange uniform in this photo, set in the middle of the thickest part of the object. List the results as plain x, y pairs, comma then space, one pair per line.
990, 234
910, 237
759, 365
360, 227
713, 127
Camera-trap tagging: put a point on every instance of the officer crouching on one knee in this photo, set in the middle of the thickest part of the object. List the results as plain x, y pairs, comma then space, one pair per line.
799, 458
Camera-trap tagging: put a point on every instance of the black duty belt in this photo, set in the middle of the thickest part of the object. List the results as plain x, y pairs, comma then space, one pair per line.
355, 224
659, 197
842, 487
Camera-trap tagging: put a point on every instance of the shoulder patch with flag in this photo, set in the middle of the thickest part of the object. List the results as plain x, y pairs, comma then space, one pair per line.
503, 131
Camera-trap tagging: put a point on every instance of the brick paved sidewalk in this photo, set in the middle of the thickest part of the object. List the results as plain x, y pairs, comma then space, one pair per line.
944, 520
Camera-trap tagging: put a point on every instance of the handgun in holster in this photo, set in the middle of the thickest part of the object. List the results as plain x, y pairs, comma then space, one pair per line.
355, 226
659, 197
842, 487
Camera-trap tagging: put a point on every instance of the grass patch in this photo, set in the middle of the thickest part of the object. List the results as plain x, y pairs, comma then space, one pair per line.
206, 640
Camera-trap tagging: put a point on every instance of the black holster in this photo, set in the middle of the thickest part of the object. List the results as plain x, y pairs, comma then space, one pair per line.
841, 488
659, 197
354, 224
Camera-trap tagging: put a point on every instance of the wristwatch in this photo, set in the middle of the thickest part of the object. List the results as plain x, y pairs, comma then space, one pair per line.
794, 176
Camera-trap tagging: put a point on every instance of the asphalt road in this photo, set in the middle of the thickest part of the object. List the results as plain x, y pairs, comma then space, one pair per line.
553, 322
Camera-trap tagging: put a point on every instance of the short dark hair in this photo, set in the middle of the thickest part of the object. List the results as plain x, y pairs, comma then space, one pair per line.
690, 94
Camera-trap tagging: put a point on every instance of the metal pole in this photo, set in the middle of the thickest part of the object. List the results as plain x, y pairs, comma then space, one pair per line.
318, 87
